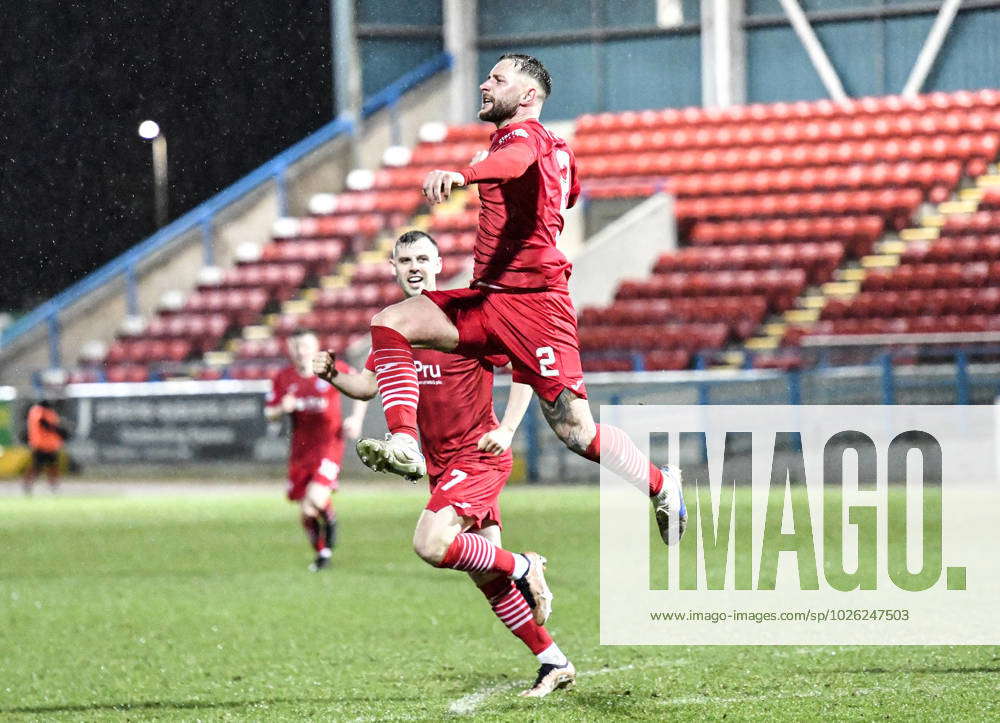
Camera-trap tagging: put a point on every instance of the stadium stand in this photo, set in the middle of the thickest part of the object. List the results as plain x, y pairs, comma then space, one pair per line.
795, 220
774, 202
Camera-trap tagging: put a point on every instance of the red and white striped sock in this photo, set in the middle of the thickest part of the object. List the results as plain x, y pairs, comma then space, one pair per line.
474, 553
510, 606
396, 377
622, 457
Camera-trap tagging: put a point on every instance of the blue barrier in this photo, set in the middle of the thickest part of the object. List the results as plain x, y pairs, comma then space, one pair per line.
203, 214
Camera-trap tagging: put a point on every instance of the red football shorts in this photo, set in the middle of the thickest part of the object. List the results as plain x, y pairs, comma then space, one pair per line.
536, 330
473, 489
325, 472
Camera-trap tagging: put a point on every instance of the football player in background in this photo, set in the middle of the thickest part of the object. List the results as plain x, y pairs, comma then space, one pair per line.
518, 303
46, 434
317, 446
468, 461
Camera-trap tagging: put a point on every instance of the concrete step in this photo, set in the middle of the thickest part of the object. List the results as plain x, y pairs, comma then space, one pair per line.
256, 332
920, 234
841, 288
880, 261
800, 316
296, 306
763, 343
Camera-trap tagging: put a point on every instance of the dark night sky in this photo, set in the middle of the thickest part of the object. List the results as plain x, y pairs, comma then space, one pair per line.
230, 83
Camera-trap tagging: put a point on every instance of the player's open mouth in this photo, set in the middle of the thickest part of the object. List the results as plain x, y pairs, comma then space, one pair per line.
415, 279
487, 101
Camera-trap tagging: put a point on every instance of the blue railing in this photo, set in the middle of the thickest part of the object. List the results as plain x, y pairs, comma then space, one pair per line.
202, 216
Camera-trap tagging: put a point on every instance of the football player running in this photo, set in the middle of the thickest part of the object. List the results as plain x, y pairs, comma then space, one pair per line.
468, 461
518, 303
317, 446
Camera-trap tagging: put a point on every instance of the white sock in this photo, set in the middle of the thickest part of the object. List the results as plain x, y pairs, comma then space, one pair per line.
326, 552
520, 566
552, 655
406, 439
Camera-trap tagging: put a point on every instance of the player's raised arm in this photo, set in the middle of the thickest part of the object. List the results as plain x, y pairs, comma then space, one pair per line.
509, 162
356, 385
498, 440
438, 185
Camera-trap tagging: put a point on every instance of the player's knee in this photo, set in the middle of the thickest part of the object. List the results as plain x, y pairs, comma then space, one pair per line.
431, 548
392, 318
317, 498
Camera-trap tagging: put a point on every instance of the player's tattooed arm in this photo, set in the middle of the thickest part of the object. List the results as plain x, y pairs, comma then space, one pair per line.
498, 440
571, 420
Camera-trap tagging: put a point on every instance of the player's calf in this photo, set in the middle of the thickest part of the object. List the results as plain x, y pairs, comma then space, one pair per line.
439, 541
320, 523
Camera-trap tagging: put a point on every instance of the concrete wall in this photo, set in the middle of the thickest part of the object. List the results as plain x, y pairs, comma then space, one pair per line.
626, 248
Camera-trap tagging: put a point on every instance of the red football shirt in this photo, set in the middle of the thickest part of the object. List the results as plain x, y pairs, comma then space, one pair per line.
525, 183
316, 421
455, 408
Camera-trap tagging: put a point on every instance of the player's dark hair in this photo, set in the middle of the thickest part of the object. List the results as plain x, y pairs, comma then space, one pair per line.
411, 237
532, 67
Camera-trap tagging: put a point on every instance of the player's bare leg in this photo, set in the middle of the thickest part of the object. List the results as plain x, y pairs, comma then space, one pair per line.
572, 421
396, 330
28, 481
53, 477
320, 523
440, 539
555, 671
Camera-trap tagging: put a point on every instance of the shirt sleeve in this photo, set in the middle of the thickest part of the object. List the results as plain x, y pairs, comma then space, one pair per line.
509, 162
277, 390
370, 362
574, 191
498, 360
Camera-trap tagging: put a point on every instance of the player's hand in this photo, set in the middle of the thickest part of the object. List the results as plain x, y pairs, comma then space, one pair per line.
480, 156
352, 427
437, 185
496, 441
288, 403
324, 365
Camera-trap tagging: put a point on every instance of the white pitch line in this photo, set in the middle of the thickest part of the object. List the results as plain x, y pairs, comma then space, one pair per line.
468, 704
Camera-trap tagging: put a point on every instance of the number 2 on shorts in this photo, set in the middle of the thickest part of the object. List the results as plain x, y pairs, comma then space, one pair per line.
457, 476
546, 357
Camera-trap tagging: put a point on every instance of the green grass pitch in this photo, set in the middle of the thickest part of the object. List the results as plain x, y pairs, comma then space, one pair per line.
202, 609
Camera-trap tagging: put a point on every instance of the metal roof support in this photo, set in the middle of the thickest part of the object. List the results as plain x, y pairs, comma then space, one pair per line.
460, 42
820, 61
723, 53
346, 68
932, 46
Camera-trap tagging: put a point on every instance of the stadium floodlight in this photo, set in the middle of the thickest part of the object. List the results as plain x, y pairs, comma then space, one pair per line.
149, 129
